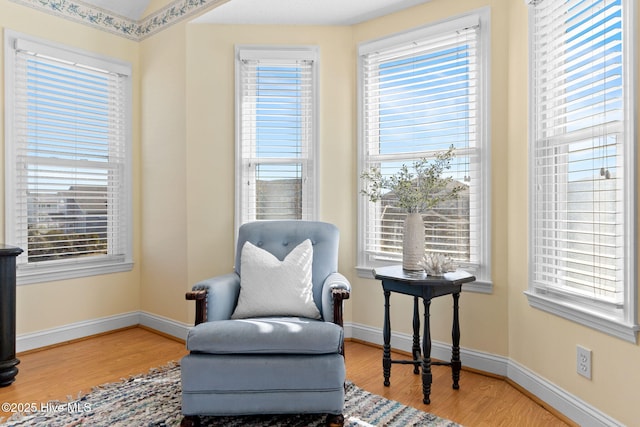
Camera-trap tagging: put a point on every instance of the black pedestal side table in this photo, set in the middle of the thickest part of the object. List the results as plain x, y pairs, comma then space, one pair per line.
8, 360
419, 285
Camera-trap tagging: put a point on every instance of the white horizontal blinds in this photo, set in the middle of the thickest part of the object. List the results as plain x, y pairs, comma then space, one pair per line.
419, 98
578, 237
276, 137
70, 154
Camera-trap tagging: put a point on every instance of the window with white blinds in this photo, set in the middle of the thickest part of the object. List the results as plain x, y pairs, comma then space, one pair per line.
582, 203
276, 133
422, 92
67, 196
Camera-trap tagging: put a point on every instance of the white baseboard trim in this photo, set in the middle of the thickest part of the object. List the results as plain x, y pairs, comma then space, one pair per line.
72, 331
165, 325
573, 407
485, 362
564, 402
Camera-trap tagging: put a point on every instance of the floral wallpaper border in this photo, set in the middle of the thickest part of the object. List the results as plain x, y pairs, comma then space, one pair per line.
135, 30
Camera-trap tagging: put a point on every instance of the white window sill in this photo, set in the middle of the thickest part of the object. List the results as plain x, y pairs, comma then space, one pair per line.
586, 316
69, 272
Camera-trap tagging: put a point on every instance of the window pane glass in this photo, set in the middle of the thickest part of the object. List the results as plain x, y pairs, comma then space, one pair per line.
279, 191
578, 214
420, 98
276, 137
70, 157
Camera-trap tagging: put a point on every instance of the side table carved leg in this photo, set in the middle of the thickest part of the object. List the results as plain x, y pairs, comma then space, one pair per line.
456, 364
190, 421
426, 355
415, 349
386, 348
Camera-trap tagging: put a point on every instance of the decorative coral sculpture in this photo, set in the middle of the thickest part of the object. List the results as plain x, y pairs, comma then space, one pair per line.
437, 264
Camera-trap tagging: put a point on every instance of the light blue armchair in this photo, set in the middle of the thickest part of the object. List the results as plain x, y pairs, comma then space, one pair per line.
253, 352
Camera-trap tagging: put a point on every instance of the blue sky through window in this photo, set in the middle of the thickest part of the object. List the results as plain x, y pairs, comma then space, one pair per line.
594, 81
67, 121
425, 106
279, 116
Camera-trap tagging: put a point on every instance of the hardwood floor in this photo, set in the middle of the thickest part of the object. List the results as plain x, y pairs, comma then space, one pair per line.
481, 401
68, 370
72, 369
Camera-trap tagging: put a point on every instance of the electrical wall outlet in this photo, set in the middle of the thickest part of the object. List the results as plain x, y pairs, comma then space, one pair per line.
584, 362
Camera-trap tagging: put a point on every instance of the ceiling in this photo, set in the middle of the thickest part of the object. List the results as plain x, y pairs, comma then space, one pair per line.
282, 12
132, 9
303, 12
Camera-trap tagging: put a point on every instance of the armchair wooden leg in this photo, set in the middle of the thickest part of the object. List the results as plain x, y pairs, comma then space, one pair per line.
334, 420
190, 421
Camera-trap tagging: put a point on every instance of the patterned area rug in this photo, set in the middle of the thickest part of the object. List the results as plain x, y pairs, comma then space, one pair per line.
154, 400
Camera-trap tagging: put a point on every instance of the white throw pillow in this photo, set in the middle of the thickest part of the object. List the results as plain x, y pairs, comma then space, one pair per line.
270, 287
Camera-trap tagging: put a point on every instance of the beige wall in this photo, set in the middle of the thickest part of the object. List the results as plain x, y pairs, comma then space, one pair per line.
163, 168
49, 305
184, 190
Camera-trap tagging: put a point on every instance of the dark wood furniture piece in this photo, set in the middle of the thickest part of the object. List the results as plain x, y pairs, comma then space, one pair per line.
420, 285
8, 360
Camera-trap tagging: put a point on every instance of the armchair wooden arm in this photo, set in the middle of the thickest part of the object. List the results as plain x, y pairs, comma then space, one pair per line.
339, 295
200, 298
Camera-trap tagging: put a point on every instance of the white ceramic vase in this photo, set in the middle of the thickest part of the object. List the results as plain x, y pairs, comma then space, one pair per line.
413, 242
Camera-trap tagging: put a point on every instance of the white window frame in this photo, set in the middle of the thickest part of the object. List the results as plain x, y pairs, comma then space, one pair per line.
621, 322
46, 271
310, 191
481, 228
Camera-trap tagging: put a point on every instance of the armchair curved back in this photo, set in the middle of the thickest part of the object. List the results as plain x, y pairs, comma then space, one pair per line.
281, 237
